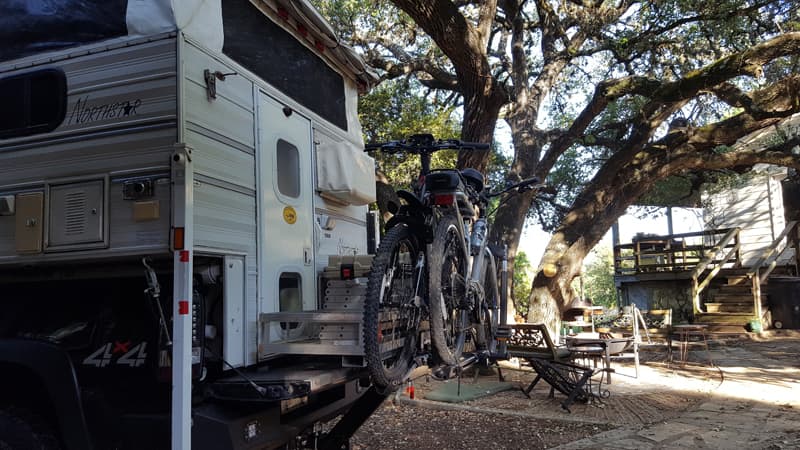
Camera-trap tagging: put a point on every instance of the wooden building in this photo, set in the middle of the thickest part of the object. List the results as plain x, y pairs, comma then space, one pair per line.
721, 275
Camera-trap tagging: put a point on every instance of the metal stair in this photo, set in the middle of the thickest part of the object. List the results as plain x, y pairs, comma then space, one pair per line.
334, 329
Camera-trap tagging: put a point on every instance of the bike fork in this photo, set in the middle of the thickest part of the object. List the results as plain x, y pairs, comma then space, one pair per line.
420, 267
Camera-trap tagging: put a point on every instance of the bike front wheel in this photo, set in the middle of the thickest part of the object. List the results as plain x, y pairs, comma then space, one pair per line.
447, 287
392, 308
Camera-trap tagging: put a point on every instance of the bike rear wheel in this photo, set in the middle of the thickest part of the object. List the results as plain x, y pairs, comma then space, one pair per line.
392, 308
447, 286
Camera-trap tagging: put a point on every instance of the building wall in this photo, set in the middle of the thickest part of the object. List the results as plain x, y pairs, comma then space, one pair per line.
668, 294
756, 207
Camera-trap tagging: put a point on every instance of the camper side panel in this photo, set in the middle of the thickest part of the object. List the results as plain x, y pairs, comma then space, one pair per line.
119, 125
221, 132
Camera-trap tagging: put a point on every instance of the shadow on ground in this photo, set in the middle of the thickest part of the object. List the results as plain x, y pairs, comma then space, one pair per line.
749, 396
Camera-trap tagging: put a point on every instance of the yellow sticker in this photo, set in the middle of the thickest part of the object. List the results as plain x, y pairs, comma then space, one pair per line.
289, 215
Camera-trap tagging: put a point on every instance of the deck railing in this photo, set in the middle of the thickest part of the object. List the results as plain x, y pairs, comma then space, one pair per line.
769, 260
714, 260
678, 252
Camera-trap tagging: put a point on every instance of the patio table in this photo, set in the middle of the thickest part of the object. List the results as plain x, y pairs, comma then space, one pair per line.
598, 348
685, 333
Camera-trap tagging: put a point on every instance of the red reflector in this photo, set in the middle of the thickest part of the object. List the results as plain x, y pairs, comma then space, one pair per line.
183, 307
320, 46
283, 13
178, 238
443, 199
184, 255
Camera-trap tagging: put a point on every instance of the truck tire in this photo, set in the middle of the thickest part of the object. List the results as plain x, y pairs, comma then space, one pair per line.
23, 430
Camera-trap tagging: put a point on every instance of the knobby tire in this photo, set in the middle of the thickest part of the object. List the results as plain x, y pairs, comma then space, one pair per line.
447, 286
391, 312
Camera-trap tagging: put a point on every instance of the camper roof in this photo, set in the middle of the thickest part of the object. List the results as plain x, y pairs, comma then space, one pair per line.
30, 28
306, 24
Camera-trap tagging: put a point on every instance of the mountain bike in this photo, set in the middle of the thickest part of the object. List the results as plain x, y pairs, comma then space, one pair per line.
427, 277
396, 303
467, 309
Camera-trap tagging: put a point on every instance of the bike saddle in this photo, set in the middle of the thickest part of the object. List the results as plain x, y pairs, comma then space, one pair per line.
474, 178
446, 180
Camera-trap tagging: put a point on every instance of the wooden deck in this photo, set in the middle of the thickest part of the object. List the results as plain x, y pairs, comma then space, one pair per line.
674, 254
724, 294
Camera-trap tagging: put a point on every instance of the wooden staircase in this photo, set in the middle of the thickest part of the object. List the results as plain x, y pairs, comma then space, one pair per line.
730, 303
735, 296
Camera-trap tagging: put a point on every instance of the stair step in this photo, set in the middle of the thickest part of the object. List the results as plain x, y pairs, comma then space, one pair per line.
726, 318
725, 329
748, 302
734, 273
732, 297
731, 300
737, 280
727, 308
320, 332
735, 289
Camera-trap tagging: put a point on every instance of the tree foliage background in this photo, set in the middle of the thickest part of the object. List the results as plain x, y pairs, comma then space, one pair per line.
599, 278
608, 101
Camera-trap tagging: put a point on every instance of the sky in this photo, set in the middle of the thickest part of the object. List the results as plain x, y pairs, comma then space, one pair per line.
684, 220
534, 239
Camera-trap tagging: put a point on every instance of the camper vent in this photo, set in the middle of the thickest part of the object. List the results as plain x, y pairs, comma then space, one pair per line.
75, 213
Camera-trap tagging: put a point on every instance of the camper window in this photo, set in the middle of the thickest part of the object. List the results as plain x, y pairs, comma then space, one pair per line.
34, 102
289, 292
288, 165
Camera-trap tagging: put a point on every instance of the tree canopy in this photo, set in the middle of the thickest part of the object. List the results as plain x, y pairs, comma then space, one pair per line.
604, 99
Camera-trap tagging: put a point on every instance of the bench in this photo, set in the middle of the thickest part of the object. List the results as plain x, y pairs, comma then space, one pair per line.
572, 380
532, 343
532, 340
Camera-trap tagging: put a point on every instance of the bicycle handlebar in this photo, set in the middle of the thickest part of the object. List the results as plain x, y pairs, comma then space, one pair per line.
424, 144
522, 186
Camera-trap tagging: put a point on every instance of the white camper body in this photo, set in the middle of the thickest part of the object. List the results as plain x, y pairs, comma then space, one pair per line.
176, 146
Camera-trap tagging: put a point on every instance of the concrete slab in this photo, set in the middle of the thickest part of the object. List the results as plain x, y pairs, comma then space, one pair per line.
666, 431
451, 392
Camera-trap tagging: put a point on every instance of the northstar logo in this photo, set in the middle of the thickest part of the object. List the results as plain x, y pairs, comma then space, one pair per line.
82, 112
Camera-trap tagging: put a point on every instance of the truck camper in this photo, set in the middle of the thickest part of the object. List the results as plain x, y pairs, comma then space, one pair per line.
183, 225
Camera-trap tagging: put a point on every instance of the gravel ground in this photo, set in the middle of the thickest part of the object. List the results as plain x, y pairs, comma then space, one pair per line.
401, 426
661, 393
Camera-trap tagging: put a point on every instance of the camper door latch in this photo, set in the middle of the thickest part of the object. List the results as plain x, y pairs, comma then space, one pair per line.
211, 81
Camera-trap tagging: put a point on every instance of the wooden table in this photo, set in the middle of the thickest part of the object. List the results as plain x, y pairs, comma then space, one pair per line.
684, 333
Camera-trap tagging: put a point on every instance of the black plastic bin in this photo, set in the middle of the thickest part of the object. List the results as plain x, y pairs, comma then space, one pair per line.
784, 302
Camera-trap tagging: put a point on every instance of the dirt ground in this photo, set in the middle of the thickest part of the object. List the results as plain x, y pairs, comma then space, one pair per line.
662, 392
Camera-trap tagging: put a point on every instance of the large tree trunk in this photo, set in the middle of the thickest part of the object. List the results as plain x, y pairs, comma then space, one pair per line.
465, 44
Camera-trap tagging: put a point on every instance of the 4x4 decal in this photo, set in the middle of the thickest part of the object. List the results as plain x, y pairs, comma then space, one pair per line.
118, 353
